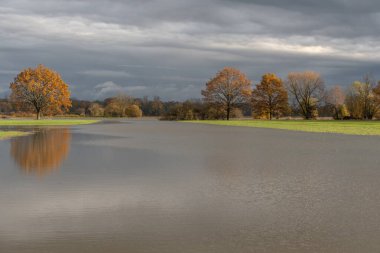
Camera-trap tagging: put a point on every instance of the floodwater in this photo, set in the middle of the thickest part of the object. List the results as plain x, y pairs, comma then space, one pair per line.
150, 186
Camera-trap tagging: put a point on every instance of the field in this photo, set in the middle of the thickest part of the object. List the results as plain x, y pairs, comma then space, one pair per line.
328, 126
20, 122
46, 122
234, 189
9, 134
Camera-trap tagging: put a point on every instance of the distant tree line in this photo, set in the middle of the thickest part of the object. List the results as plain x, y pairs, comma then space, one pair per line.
229, 94
300, 94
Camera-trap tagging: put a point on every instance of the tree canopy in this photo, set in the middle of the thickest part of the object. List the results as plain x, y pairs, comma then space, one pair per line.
269, 98
228, 89
307, 88
42, 89
335, 98
363, 99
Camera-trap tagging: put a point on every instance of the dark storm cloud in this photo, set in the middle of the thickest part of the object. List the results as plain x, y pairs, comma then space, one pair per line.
171, 48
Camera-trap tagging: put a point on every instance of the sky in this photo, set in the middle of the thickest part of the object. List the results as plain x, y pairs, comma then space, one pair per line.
171, 48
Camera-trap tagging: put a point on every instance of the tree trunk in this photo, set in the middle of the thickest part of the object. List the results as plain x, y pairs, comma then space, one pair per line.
336, 113
309, 113
38, 114
228, 112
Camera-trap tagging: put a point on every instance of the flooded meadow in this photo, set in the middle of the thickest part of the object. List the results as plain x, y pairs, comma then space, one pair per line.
151, 186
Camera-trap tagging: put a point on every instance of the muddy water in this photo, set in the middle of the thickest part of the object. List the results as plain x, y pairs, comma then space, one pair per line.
148, 186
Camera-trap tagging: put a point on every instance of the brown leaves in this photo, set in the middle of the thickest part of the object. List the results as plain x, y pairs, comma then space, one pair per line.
269, 98
228, 89
122, 106
41, 89
363, 99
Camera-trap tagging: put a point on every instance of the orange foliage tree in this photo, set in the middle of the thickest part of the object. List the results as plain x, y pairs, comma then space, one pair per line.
270, 97
133, 111
41, 89
228, 89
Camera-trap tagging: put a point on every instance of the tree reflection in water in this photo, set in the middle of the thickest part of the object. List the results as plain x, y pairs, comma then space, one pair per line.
43, 151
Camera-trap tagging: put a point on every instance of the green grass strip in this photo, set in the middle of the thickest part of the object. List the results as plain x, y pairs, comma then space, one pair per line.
46, 122
328, 126
10, 134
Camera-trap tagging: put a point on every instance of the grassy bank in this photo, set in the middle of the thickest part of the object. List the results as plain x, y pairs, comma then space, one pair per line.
24, 122
341, 127
46, 122
9, 134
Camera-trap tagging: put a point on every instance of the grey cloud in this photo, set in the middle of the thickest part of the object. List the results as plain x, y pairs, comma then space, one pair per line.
105, 73
172, 47
109, 89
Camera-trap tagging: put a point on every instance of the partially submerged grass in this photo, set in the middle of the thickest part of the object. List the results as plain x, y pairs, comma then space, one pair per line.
328, 126
46, 122
9, 134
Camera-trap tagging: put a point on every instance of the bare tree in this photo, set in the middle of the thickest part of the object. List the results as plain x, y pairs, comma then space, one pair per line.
335, 98
307, 88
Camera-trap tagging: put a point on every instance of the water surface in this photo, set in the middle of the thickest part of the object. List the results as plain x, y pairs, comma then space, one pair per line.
149, 186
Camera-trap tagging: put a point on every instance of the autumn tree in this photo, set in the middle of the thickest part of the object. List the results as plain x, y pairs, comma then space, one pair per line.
376, 94
41, 89
270, 97
80, 107
96, 110
354, 101
215, 112
122, 106
307, 89
363, 99
335, 100
133, 111
157, 106
229, 88
117, 106
5, 107
371, 97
